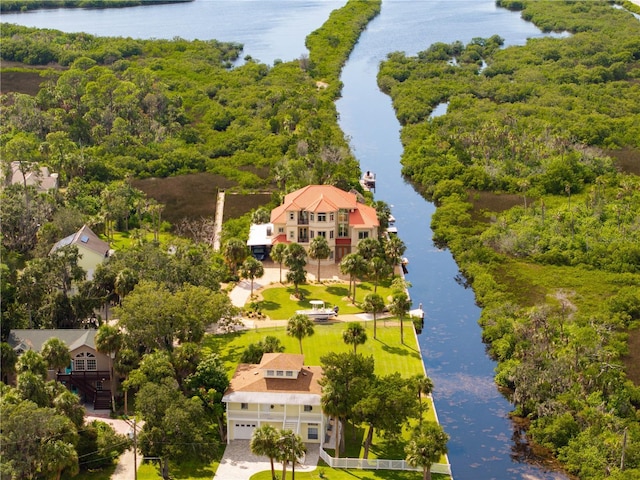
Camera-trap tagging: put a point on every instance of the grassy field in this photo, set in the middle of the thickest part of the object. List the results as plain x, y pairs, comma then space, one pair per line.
339, 474
280, 304
187, 471
390, 355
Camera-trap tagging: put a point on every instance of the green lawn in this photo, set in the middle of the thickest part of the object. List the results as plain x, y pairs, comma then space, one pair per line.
279, 304
340, 474
186, 471
390, 355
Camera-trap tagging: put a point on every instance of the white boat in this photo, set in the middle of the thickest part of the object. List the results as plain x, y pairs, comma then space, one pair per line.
392, 229
319, 311
368, 180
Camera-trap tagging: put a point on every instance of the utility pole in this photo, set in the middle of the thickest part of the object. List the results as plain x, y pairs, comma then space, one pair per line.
624, 447
135, 450
134, 436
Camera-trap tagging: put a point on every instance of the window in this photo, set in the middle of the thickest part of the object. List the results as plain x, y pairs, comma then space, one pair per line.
331, 217
308, 408
244, 406
363, 235
322, 234
322, 217
312, 433
311, 233
269, 373
291, 234
343, 230
85, 361
311, 216
289, 373
279, 373
330, 233
280, 229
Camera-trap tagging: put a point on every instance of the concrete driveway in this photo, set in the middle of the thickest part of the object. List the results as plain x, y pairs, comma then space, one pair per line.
238, 463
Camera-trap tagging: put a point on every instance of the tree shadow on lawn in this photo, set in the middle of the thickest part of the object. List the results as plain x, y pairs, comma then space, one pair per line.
219, 343
380, 447
338, 291
403, 350
269, 306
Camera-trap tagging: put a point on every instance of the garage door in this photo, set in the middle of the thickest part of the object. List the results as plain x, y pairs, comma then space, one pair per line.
243, 431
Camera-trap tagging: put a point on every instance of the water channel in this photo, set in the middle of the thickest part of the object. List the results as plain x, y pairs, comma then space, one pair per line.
484, 443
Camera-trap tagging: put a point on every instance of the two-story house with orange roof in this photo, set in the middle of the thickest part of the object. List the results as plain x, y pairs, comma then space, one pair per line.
327, 211
280, 391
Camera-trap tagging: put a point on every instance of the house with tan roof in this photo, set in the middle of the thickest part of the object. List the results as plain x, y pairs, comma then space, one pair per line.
92, 249
280, 391
41, 178
327, 211
88, 374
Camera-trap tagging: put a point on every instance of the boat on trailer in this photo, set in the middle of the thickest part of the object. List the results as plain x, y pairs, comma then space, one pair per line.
319, 311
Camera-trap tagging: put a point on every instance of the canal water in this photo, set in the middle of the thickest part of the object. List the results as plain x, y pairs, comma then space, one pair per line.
484, 443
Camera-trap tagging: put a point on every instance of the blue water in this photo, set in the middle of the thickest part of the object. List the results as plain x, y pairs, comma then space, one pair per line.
469, 406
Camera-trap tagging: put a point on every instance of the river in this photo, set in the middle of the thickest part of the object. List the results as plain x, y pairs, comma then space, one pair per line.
484, 443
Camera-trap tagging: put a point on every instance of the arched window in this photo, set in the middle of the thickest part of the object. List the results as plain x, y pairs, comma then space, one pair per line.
85, 361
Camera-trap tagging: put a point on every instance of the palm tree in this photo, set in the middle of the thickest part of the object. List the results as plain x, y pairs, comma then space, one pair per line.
291, 448
235, 251
251, 269
296, 259
126, 280
300, 326
127, 360
354, 335
108, 340
394, 248
373, 303
277, 254
400, 305
264, 442
378, 269
56, 354
428, 443
424, 385
353, 265
332, 401
319, 249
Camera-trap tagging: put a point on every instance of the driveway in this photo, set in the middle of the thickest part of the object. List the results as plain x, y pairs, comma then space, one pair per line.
238, 463
125, 467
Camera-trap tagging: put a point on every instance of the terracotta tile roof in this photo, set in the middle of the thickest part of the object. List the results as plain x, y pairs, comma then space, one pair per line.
325, 198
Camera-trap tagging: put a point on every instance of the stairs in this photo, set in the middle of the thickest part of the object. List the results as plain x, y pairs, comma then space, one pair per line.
102, 400
293, 426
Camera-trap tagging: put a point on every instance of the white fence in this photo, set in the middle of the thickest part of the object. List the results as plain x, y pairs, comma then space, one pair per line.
379, 464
